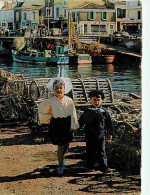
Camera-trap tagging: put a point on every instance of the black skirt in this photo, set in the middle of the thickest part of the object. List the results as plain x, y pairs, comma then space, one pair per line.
59, 131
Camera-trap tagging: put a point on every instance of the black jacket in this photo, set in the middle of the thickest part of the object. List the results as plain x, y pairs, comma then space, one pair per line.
96, 121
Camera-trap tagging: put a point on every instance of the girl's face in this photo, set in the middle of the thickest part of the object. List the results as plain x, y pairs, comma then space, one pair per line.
96, 101
59, 90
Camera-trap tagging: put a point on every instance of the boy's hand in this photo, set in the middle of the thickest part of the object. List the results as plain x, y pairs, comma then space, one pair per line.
74, 131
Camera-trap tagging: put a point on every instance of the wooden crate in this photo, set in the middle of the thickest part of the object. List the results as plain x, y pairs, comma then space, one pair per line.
79, 92
82, 87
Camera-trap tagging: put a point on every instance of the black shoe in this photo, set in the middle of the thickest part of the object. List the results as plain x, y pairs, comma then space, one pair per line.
89, 166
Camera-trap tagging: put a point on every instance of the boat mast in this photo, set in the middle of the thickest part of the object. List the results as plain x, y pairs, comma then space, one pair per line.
69, 29
30, 35
48, 16
99, 28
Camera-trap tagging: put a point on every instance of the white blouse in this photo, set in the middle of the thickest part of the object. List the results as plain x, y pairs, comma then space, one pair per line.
58, 108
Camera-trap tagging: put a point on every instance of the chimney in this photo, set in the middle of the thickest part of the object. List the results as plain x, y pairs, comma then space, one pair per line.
6, 5
13, 4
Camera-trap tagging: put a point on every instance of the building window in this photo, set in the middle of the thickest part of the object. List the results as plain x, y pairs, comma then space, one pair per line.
111, 26
139, 3
50, 12
104, 16
65, 2
98, 28
91, 15
121, 13
57, 12
25, 16
111, 31
103, 28
3, 24
40, 12
17, 16
78, 16
95, 28
139, 14
65, 12
33, 15
34, 26
73, 16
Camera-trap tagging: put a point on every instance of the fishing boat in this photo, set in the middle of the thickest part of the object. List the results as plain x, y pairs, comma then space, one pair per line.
84, 59
100, 55
98, 58
47, 56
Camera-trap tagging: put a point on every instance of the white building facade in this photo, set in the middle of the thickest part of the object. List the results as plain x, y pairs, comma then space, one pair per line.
129, 16
31, 17
6, 19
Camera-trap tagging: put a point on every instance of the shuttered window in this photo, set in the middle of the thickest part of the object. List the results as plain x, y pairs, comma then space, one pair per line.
57, 12
139, 14
104, 15
91, 15
111, 31
25, 16
65, 12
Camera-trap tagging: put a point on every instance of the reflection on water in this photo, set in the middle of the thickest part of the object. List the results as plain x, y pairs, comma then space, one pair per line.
110, 70
123, 80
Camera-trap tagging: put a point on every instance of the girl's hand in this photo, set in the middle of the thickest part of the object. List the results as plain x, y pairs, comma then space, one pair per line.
110, 138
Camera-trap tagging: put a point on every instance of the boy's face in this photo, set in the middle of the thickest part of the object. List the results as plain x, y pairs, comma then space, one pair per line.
59, 90
96, 101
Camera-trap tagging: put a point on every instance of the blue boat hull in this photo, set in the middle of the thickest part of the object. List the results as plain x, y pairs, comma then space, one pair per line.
36, 59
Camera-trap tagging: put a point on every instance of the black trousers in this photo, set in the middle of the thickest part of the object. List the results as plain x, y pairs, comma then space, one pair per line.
95, 148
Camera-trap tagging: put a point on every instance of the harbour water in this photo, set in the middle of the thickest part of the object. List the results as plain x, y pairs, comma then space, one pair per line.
124, 79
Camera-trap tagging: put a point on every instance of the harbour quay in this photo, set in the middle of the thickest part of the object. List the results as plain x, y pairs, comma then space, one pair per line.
123, 55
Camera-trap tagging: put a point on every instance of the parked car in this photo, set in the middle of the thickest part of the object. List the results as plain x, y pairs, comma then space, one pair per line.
116, 34
55, 31
125, 34
1, 31
16, 32
65, 32
115, 38
137, 34
12, 32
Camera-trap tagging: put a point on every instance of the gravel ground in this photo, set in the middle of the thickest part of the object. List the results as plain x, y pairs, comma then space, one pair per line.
28, 167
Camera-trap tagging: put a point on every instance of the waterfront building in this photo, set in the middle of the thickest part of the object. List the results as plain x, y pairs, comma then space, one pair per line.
17, 15
61, 7
61, 13
49, 14
28, 15
128, 15
94, 19
32, 17
7, 16
90, 16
